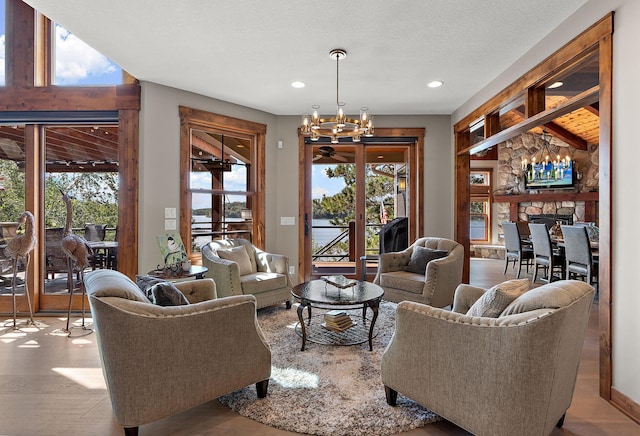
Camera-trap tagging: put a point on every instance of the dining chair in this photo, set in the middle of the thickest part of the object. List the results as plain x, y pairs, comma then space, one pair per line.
580, 261
545, 255
514, 248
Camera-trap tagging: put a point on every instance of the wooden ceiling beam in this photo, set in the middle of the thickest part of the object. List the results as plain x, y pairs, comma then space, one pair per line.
561, 133
594, 108
69, 98
586, 98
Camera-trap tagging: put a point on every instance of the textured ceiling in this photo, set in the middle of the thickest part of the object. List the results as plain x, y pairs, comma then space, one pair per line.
249, 51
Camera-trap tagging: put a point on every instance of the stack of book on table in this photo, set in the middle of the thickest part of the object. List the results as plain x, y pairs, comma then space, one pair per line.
337, 320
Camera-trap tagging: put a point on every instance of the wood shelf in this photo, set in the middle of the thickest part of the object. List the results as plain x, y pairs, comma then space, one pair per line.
547, 196
589, 198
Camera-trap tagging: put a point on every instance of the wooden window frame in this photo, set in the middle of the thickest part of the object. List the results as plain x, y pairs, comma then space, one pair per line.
28, 90
482, 193
191, 118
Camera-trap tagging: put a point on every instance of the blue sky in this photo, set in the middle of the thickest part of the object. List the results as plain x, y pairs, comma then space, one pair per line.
321, 184
76, 62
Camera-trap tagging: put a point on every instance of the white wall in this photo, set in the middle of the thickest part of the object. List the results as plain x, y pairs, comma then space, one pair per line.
438, 197
159, 168
160, 160
626, 153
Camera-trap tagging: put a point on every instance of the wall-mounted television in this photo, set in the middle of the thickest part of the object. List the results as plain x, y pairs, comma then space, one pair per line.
553, 175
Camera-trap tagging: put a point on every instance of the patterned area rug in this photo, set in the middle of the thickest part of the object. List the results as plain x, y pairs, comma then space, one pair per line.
326, 390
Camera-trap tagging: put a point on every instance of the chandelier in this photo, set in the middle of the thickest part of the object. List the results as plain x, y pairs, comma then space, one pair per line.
546, 163
340, 126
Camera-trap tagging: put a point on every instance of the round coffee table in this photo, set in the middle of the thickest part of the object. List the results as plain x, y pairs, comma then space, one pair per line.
323, 295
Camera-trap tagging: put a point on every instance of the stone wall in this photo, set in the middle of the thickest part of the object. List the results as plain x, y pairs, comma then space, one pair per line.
574, 208
510, 179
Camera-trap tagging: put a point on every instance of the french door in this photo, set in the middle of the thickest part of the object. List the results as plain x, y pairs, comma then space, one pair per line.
350, 191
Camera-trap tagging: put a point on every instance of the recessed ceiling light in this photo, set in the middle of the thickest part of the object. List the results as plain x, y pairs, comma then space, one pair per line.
435, 84
555, 85
298, 84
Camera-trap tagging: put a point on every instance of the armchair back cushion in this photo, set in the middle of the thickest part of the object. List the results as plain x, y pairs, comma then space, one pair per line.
495, 300
240, 256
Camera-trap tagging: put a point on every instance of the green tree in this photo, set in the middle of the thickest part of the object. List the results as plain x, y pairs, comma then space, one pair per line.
95, 196
12, 194
339, 208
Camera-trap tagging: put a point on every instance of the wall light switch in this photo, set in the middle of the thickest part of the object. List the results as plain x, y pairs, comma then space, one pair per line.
170, 212
287, 221
292, 270
169, 224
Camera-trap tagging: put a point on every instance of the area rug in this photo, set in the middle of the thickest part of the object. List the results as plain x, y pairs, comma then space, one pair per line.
326, 390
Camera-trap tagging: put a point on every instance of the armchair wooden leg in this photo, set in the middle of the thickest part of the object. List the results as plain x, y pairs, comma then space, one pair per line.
288, 304
392, 396
131, 431
560, 422
261, 388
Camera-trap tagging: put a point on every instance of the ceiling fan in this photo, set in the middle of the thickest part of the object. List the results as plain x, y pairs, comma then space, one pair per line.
328, 152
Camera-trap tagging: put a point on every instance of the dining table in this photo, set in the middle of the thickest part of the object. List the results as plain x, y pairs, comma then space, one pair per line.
108, 250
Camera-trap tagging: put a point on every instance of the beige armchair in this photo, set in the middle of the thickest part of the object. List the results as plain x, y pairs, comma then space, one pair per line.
511, 375
435, 286
158, 361
240, 268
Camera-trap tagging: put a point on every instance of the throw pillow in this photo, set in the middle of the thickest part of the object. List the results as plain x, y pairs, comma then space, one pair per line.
238, 255
166, 294
421, 256
145, 282
495, 300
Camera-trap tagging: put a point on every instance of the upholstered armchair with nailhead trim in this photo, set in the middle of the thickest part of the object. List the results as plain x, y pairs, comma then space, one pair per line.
240, 268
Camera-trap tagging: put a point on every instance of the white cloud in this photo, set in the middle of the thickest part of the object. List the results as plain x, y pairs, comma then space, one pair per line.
75, 60
319, 191
2, 59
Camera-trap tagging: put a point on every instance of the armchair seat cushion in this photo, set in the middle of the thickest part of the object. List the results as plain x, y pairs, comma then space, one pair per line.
405, 280
262, 282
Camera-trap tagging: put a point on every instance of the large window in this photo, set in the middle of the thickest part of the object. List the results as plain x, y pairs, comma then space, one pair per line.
222, 182
82, 140
221, 187
76, 63
480, 206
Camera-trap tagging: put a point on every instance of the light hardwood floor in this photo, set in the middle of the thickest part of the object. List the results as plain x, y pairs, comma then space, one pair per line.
52, 385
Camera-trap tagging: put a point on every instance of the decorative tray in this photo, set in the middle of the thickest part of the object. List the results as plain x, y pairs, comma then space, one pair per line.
339, 281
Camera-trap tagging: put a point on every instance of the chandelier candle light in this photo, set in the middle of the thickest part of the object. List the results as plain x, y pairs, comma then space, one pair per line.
541, 167
339, 126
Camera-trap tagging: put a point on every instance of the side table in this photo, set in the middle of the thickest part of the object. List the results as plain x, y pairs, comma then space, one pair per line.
196, 272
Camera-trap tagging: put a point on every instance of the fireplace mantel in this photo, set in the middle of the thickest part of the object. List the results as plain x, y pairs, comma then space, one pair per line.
590, 200
547, 196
